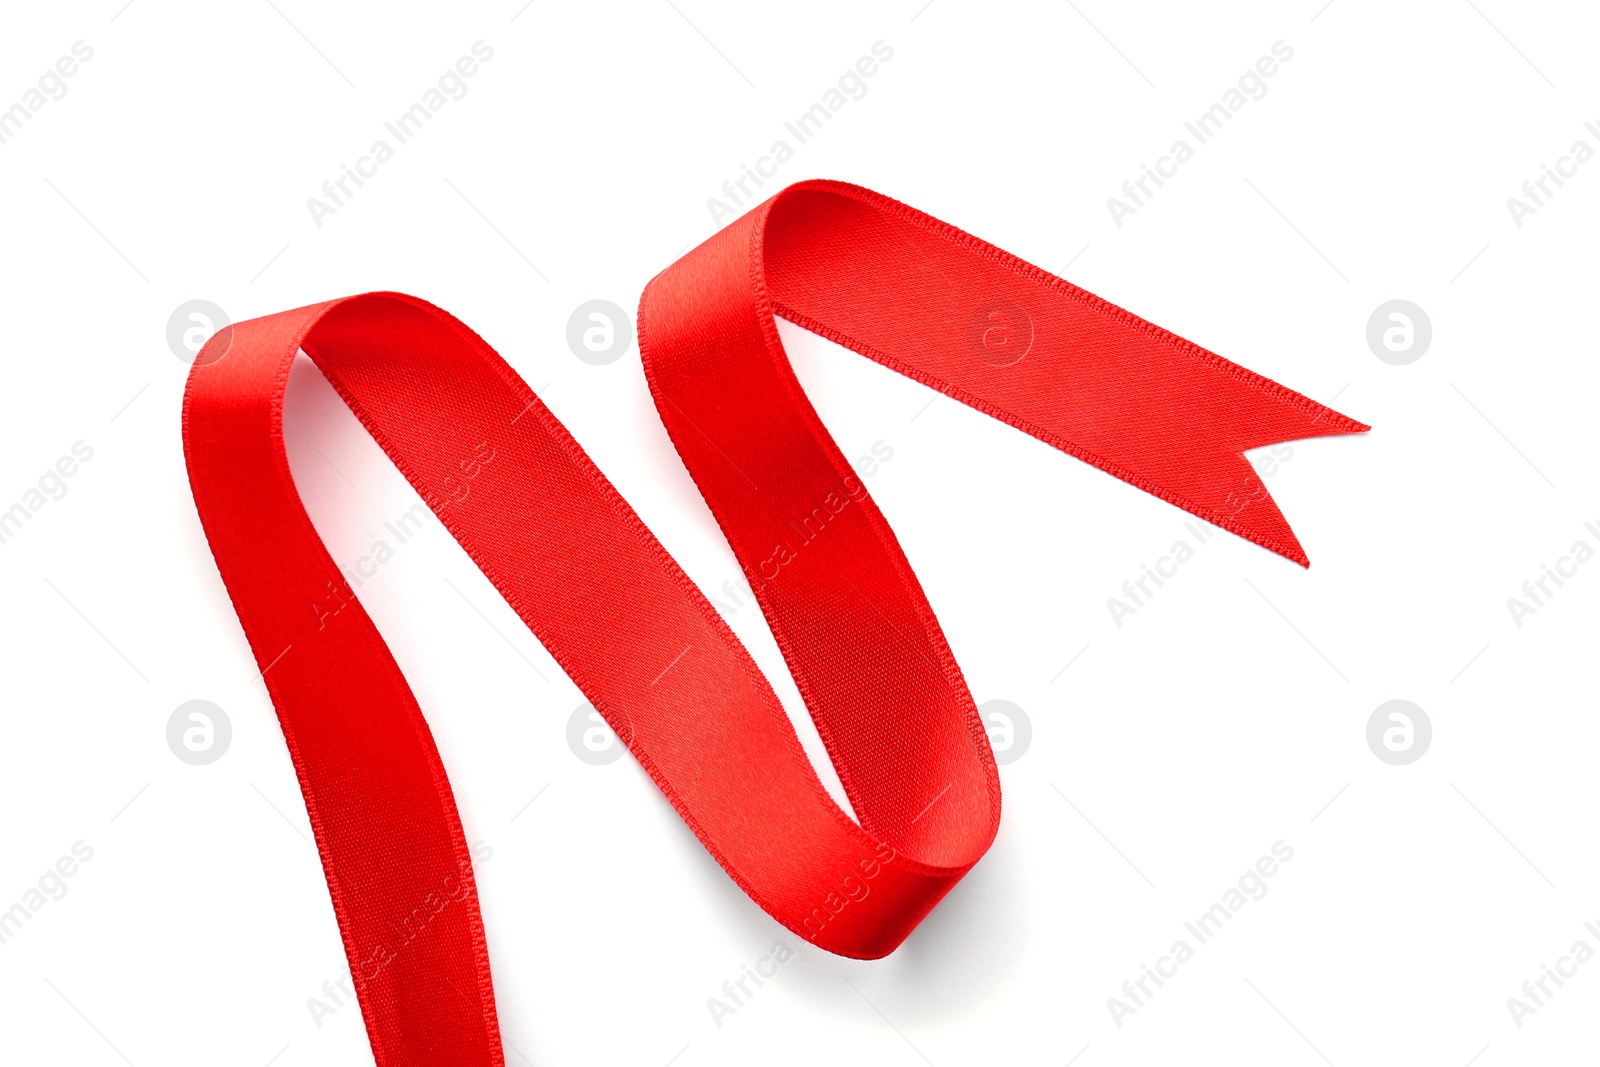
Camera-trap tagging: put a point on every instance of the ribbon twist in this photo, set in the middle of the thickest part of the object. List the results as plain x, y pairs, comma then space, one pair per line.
586, 576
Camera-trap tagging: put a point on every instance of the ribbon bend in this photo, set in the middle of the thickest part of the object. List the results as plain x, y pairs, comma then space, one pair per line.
580, 568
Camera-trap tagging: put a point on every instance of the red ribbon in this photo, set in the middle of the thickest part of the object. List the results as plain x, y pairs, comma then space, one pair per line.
575, 562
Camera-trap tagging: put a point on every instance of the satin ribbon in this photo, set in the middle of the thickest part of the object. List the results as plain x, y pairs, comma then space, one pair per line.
624, 621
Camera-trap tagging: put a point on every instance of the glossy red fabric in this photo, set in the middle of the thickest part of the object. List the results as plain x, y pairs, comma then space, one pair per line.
575, 562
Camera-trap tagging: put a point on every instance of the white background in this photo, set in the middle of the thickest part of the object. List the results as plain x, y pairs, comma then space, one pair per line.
1228, 714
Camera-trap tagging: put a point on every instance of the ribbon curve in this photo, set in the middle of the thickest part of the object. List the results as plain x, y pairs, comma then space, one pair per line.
581, 570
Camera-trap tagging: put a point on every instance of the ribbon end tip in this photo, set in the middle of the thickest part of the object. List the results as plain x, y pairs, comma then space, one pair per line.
1346, 424
1288, 548
1293, 552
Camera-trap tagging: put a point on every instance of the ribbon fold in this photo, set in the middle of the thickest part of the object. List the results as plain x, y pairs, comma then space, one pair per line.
586, 576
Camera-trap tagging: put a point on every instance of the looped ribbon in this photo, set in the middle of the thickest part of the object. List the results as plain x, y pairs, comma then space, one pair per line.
625, 622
